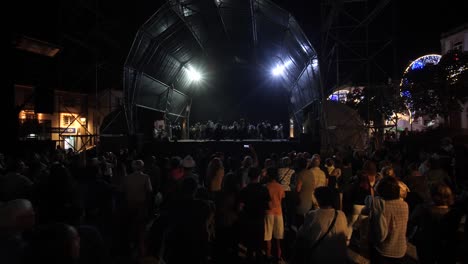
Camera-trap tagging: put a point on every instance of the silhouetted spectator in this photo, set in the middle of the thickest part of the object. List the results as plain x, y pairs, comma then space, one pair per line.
55, 243
14, 184
254, 200
16, 218
433, 239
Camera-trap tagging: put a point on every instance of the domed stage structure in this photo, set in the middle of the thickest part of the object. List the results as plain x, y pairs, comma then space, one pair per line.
176, 49
177, 55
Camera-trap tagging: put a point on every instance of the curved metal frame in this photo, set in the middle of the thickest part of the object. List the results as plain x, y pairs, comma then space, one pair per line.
182, 31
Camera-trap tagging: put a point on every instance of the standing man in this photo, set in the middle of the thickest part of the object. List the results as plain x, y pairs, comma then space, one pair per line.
274, 224
254, 199
138, 196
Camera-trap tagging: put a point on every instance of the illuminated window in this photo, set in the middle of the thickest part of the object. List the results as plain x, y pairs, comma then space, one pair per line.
30, 115
67, 120
27, 114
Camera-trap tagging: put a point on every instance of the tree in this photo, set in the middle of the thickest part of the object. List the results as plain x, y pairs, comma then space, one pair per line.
437, 90
376, 103
453, 66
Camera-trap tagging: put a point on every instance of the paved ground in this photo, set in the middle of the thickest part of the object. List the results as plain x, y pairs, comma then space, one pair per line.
359, 258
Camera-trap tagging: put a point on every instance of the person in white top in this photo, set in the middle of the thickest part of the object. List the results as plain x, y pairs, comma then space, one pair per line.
285, 173
318, 176
322, 237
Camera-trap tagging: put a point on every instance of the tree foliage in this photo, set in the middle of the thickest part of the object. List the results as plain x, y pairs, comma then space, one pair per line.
437, 89
430, 91
454, 68
376, 103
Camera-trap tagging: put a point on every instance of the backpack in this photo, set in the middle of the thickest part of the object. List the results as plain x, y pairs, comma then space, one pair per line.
379, 228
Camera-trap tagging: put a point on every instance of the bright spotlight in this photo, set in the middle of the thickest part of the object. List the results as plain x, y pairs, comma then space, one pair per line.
278, 70
314, 63
193, 74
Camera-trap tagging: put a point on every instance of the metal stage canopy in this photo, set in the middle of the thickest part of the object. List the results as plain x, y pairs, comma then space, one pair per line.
185, 34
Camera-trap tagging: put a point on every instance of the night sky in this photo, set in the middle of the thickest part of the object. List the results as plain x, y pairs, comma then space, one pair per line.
419, 23
104, 38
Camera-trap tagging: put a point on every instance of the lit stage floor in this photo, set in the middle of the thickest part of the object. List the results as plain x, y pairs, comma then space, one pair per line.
233, 140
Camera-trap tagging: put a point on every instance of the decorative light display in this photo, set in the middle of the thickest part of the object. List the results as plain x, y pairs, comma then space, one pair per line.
420, 63
339, 96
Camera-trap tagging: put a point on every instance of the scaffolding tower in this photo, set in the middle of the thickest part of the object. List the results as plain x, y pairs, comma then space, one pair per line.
358, 45
358, 40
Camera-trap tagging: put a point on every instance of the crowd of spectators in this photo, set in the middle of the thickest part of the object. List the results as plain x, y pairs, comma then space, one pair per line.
237, 130
297, 207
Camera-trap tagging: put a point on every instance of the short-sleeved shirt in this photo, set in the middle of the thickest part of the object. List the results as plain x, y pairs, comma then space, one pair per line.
319, 177
285, 175
396, 214
306, 193
332, 249
276, 193
136, 187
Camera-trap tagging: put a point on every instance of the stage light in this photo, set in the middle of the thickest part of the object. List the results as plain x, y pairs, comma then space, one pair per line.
193, 74
278, 70
315, 63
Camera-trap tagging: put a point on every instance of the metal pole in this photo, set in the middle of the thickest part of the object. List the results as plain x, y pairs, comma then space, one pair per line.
189, 108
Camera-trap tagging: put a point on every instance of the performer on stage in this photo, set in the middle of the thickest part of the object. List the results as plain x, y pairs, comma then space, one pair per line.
159, 132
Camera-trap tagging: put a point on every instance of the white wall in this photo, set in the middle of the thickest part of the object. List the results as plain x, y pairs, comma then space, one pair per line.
448, 42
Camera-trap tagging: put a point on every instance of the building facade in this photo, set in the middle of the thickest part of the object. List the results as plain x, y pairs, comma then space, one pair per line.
457, 39
72, 119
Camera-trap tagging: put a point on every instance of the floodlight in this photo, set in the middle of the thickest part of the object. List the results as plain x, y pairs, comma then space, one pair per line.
278, 70
314, 63
193, 74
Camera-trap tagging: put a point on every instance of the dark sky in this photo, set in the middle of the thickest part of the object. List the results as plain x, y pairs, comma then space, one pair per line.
101, 40
418, 29
419, 23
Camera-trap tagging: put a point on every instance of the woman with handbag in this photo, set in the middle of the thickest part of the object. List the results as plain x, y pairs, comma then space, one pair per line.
322, 238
